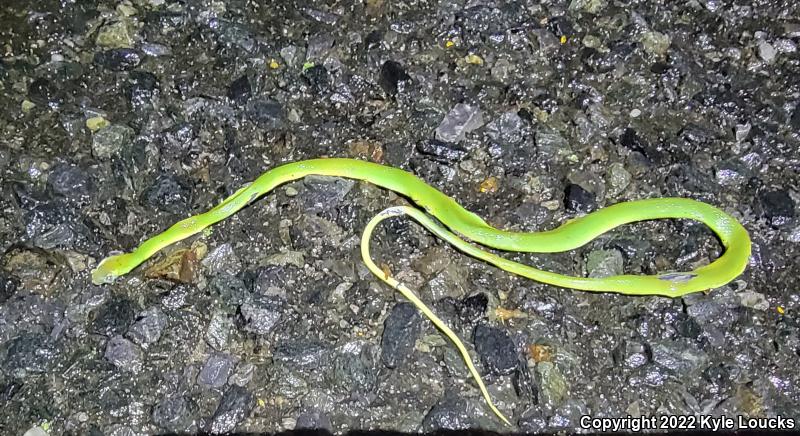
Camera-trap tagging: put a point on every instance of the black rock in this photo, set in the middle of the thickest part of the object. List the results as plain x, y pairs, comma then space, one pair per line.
400, 332
239, 90
452, 413
231, 289
8, 286
265, 112
70, 181
43, 92
794, 121
496, 350
524, 384
579, 200
174, 413
317, 76
169, 193
473, 308
301, 353
114, 317
778, 207
29, 352
118, 59
392, 76
233, 408
141, 87
442, 152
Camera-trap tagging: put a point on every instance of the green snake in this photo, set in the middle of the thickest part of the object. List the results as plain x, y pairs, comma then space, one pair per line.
459, 221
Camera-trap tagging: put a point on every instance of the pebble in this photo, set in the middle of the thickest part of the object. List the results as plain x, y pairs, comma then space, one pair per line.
43, 92
462, 119
766, 52
579, 200
233, 408
507, 129
70, 181
604, 263
124, 354
778, 207
655, 43
114, 317
400, 332
260, 316
393, 77
216, 370
239, 90
303, 353
219, 330
169, 193
118, 59
111, 141
452, 413
442, 152
678, 357
175, 413
148, 327
29, 353
314, 420
495, 349
552, 385
265, 112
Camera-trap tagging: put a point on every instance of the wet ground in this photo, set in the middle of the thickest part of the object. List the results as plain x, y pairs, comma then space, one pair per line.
121, 118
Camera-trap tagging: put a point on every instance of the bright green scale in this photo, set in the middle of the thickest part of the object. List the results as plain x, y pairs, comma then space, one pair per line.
458, 220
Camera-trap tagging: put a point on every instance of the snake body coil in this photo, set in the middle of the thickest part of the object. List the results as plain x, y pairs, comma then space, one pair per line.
458, 220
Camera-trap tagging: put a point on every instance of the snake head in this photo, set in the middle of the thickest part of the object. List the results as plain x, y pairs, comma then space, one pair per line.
110, 268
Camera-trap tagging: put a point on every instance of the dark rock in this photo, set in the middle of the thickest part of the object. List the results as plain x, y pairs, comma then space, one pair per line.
317, 76
400, 332
260, 315
169, 193
686, 326
392, 77
219, 330
239, 90
124, 354
524, 384
118, 59
355, 368
451, 413
175, 414
632, 354
265, 112
29, 352
495, 349
313, 420
442, 152
473, 308
234, 407
216, 370
778, 207
794, 121
231, 289
301, 353
70, 181
579, 200
325, 192
679, 357
8, 286
141, 87
631, 140
114, 317
148, 327
533, 421
44, 93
